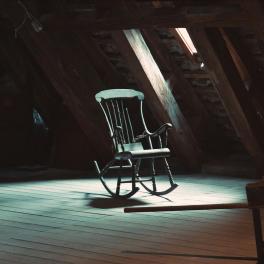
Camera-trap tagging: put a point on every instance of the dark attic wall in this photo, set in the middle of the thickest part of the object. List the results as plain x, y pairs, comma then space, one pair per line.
24, 139
69, 141
16, 124
69, 72
214, 113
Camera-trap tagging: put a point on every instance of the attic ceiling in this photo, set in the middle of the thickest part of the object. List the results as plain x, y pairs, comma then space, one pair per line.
120, 14
76, 48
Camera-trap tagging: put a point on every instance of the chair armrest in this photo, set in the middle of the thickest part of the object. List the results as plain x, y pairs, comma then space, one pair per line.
156, 133
160, 130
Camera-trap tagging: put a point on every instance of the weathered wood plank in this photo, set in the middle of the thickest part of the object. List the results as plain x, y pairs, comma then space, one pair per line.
158, 94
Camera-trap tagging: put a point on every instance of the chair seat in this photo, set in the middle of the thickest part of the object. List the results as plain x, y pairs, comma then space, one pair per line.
143, 154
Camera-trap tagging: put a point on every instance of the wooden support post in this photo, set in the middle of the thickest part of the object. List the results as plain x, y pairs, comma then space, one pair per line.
255, 195
158, 94
258, 235
232, 91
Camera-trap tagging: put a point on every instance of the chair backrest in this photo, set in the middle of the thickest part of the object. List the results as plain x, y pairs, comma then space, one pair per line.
114, 103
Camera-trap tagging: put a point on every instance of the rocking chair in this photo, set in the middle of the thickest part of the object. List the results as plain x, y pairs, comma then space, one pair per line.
130, 150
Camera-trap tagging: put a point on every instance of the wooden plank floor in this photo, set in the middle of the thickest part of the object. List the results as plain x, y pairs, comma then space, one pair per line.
74, 221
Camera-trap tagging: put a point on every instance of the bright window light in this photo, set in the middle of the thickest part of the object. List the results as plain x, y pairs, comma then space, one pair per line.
183, 33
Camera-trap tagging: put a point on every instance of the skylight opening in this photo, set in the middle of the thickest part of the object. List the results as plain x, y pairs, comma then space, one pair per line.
184, 35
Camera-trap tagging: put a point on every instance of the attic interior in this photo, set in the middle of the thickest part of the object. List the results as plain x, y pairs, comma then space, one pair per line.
199, 64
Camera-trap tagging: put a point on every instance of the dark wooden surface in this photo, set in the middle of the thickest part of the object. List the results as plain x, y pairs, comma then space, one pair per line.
122, 16
74, 221
255, 194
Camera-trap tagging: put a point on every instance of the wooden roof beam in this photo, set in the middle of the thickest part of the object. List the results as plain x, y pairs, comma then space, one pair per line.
103, 15
126, 18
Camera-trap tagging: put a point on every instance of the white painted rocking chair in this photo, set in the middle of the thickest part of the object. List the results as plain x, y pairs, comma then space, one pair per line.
128, 148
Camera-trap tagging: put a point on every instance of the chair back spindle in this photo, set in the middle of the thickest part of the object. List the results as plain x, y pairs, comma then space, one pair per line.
115, 107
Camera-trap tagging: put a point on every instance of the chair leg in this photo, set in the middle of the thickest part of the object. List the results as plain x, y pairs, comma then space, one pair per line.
134, 176
154, 190
119, 181
153, 175
118, 185
138, 167
168, 171
258, 235
115, 192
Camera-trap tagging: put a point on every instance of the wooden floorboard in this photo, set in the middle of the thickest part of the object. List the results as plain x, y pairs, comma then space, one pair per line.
75, 221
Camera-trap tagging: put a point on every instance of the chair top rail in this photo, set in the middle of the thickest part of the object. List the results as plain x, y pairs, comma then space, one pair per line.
118, 93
